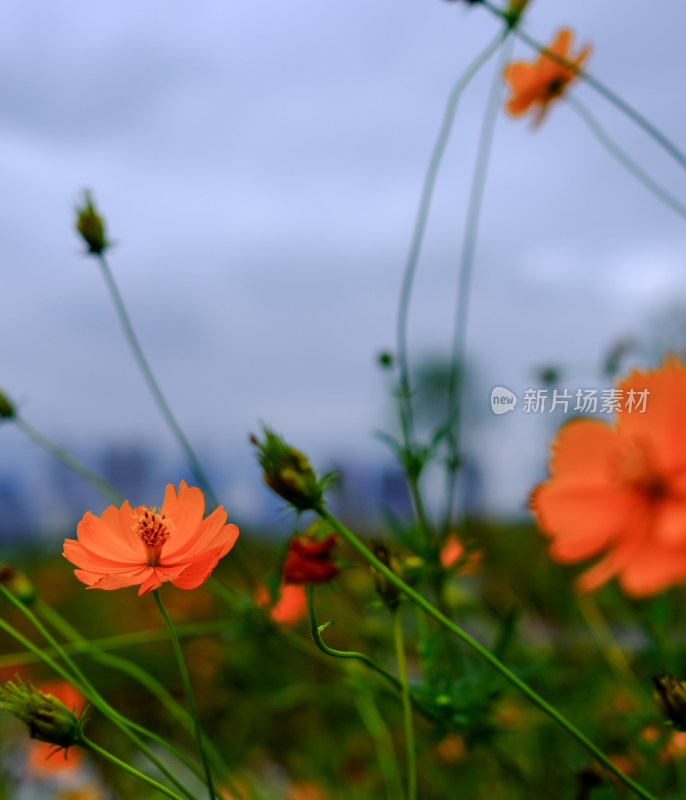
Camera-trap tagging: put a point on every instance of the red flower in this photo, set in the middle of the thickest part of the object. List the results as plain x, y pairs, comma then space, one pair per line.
309, 560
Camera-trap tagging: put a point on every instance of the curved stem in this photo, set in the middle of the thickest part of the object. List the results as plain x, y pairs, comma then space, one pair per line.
189, 691
407, 706
405, 394
624, 159
87, 743
154, 387
432, 611
647, 126
68, 460
321, 644
457, 360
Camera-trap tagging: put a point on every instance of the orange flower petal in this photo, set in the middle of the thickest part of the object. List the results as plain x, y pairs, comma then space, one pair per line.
560, 47
584, 448
582, 519
111, 535
186, 509
623, 488
662, 423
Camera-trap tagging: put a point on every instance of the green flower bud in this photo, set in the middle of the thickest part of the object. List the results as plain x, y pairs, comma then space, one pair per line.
386, 590
91, 227
18, 584
288, 472
514, 12
6, 408
386, 359
671, 696
47, 717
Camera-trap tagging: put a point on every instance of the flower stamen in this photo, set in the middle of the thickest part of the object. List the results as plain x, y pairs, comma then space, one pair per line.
153, 529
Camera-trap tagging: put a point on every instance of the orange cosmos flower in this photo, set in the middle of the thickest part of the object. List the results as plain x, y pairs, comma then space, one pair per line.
537, 84
142, 547
621, 488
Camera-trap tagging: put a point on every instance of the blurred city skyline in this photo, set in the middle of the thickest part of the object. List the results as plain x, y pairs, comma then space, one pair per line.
259, 169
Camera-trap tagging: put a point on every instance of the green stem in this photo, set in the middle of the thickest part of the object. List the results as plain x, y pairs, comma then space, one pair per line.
165, 410
82, 683
321, 644
116, 642
383, 744
154, 387
141, 676
647, 126
128, 768
407, 706
602, 635
405, 395
189, 691
466, 270
624, 159
492, 660
69, 461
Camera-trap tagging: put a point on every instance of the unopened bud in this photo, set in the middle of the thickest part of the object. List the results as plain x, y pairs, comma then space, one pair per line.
6, 408
288, 472
514, 12
671, 696
46, 716
91, 227
385, 588
18, 584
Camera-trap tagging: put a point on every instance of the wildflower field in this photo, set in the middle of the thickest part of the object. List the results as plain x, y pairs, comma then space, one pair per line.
172, 648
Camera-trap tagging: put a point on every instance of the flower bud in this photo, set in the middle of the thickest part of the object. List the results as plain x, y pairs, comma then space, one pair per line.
514, 12
388, 591
18, 584
288, 472
46, 716
91, 227
386, 359
671, 696
6, 408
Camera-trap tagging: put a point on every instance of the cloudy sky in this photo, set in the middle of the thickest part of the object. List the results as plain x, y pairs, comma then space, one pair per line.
259, 167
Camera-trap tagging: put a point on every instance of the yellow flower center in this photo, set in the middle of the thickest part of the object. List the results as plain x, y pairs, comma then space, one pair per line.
153, 529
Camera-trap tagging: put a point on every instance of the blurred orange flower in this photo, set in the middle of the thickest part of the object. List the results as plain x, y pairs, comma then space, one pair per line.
621, 488
453, 550
141, 547
290, 607
537, 84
